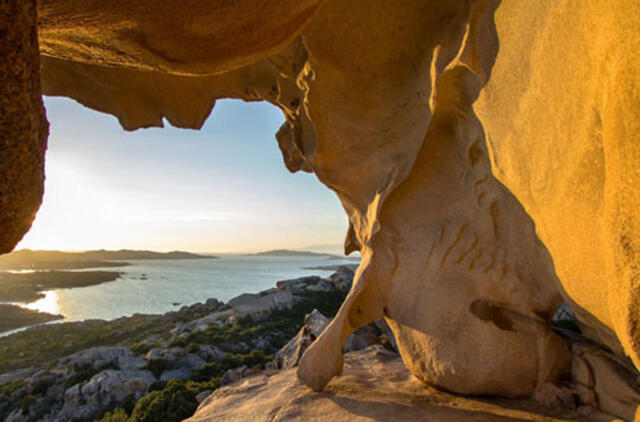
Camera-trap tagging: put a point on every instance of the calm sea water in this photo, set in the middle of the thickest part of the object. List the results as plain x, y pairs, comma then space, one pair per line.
159, 286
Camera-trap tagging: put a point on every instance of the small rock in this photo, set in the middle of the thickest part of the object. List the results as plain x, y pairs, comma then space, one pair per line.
290, 354
211, 353
362, 338
342, 278
96, 357
233, 375
172, 374
258, 305
203, 395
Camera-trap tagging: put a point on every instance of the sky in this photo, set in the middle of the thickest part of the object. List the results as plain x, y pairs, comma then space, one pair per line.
221, 189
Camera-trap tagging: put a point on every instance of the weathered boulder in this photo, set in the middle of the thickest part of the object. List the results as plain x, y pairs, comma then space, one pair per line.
261, 304
214, 318
108, 388
361, 338
289, 355
604, 381
301, 284
235, 374
203, 395
342, 278
119, 356
173, 374
210, 353
173, 363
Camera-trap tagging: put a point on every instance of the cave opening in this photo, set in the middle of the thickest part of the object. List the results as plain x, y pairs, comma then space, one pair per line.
223, 188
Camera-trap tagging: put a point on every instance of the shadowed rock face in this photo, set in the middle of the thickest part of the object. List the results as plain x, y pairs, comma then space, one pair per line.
23, 125
447, 129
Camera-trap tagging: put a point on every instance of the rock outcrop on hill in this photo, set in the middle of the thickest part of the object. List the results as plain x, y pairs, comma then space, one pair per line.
484, 151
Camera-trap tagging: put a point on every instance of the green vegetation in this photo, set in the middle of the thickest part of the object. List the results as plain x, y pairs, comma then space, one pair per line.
12, 386
157, 366
27, 402
117, 415
143, 348
41, 345
172, 404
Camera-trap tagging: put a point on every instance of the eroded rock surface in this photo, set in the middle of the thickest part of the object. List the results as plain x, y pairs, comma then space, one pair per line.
23, 125
562, 113
375, 385
445, 205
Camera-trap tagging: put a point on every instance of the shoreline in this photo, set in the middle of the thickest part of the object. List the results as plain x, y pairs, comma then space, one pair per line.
202, 346
27, 287
15, 317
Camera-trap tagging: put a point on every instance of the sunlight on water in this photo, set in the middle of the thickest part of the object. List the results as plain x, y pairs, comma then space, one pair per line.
49, 304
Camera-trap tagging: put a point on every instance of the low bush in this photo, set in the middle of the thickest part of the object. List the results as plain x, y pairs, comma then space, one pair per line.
117, 415
172, 404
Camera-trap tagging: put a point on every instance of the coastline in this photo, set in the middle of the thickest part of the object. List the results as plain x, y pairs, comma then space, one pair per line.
199, 347
15, 317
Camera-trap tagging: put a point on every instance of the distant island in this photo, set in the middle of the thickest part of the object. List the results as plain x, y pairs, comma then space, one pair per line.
58, 260
288, 252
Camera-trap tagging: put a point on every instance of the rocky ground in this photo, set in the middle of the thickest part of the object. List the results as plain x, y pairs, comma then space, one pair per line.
161, 366
375, 386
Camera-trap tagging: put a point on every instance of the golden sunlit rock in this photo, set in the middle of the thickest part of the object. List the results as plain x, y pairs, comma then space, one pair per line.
485, 152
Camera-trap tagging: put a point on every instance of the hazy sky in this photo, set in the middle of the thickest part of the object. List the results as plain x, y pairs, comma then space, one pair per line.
221, 189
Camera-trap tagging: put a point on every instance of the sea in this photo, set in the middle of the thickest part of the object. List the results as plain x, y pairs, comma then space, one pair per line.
159, 286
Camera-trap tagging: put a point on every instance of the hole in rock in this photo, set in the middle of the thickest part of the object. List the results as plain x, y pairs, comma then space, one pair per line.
223, 189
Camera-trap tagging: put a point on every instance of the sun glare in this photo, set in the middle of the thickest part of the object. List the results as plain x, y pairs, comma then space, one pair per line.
48, 304
72, 212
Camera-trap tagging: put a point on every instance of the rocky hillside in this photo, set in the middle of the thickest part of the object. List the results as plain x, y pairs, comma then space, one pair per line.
158, 367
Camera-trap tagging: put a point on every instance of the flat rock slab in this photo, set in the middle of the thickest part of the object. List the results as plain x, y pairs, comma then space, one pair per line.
375, 386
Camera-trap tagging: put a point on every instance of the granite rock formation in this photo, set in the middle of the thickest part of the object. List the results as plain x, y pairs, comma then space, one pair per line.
23, 124
375, 386
484, 151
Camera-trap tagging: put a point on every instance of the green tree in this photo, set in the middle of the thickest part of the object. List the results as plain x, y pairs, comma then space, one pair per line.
172, 404
118, 415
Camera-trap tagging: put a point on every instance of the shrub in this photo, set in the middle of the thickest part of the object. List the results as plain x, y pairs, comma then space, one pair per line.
157, 366
118, 415
172, 404
12, 386
143, 348
27, 402
157, 386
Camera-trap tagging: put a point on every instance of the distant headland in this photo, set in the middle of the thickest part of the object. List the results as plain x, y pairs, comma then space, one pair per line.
58, 260
294, 253
289, 252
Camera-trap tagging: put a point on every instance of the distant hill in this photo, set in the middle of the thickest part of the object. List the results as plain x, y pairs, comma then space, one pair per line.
288, 252
30, 259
